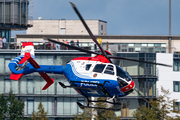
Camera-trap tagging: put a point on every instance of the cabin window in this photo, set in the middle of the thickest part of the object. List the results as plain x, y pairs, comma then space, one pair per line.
88, 66
109, 70
99, 68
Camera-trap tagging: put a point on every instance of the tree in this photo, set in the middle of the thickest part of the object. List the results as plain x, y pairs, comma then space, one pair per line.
11, 108
40, 114
160, 109
86, 115
99, 114
3, 107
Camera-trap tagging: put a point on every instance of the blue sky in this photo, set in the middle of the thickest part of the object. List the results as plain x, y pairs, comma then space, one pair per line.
124, 17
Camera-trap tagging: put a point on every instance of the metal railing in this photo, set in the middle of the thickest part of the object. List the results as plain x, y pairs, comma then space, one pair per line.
46, 46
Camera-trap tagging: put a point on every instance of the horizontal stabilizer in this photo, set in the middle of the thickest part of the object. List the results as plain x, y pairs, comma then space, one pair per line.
49, 80
16, 76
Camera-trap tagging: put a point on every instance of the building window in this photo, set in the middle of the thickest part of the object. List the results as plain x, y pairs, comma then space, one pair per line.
101, 27
30, 86
63, 31
30, 105
143, 47
124, 50
176, 106
176, 85
131, 49
176, 64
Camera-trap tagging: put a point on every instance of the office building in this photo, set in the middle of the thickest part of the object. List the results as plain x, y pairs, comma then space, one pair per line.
14, 15
67, 27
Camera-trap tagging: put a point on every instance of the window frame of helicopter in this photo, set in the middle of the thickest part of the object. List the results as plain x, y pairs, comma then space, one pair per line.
104, 69
88, 66
97, 68
120, 73
108, 70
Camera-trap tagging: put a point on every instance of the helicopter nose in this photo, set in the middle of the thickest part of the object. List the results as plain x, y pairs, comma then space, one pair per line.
129, 87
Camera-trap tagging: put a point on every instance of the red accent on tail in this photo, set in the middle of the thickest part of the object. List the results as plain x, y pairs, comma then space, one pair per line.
28, 57
27, 44
33, 63
16, 76
49, 80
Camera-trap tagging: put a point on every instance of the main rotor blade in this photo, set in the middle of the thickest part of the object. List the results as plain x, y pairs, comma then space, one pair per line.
87, 28
73, 47
116, 57
141, 95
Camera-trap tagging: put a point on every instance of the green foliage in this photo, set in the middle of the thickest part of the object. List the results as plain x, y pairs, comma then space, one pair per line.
3, 107
40, 114
99, 114
11, 108
103, 114
160, 108
86, 115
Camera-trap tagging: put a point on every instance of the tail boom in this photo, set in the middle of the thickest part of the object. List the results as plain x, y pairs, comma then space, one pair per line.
26, 64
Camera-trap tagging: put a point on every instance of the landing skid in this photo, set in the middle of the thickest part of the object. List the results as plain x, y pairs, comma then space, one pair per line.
103, 89
114, 103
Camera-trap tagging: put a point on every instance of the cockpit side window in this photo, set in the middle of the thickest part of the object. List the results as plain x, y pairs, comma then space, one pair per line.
99, 68
88, 67
109, 70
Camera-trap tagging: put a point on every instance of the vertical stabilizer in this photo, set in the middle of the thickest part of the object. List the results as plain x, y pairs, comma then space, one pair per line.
27, 47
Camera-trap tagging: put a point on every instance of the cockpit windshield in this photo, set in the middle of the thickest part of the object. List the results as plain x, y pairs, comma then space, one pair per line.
121, 73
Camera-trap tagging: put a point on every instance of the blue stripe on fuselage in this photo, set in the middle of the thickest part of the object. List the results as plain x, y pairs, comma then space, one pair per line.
72, 75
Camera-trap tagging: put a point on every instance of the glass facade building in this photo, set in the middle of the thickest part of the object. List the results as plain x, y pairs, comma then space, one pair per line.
140, 47
144, 76
13, 16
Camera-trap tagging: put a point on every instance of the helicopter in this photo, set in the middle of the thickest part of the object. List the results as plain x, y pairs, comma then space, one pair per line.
90, 76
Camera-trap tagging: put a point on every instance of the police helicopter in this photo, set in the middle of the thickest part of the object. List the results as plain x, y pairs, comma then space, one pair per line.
89, 76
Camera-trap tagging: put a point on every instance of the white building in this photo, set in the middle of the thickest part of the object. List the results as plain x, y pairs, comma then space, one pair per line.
68, 27
168, 77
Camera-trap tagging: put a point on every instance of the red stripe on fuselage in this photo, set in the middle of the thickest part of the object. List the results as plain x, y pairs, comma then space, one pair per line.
99, 58
128, 87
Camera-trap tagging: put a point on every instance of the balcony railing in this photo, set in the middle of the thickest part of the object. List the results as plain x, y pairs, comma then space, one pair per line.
47, 46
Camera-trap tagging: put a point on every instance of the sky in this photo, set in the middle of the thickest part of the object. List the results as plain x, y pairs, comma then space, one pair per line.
123, 17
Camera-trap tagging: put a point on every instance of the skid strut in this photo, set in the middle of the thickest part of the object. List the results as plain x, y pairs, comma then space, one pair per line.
103, 89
